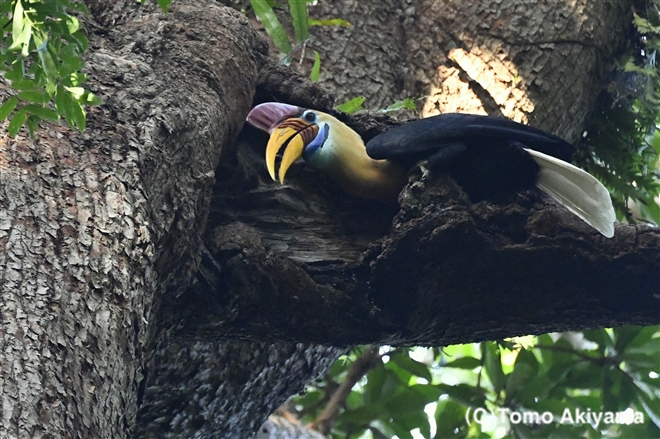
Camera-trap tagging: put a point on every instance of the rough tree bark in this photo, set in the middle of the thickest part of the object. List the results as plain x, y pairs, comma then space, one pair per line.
534, 63
156, 283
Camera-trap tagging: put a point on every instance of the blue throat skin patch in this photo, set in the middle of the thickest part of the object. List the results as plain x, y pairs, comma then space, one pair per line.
317, 143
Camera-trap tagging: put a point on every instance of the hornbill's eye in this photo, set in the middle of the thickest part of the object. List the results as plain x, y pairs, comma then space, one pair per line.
309, 116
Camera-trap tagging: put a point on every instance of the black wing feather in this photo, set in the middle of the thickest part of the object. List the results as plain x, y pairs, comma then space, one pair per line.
426, 136
483, 154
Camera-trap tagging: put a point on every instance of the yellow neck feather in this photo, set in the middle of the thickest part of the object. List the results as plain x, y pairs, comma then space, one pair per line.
347, 162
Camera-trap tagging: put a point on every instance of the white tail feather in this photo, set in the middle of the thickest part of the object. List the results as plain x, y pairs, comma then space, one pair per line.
576, 190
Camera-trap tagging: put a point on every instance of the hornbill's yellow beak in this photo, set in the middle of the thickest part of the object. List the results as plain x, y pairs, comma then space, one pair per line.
293, 135
287, 130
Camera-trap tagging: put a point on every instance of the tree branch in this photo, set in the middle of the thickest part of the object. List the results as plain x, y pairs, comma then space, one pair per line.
448, 272
365, 362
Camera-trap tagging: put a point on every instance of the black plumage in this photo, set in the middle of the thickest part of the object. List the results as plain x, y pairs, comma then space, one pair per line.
483, 154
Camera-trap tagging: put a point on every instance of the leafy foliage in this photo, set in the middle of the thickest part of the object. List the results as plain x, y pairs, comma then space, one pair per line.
406, 104
41, 51
622, 145
265, 12
430, 393
352, 106
266, 15
164, 4
316, 68
329, 22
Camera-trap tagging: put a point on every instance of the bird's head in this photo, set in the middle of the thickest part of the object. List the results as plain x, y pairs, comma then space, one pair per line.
300, 132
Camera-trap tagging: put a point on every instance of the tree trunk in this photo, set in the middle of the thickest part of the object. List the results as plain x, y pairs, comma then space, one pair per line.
156, 283
97, 228
541, 63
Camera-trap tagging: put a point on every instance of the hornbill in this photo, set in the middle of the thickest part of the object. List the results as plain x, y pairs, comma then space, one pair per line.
488, 156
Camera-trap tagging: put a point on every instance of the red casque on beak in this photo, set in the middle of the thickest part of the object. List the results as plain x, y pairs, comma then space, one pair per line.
268, 116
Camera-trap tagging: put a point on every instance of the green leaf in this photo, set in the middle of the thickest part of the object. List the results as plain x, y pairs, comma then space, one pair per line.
412, 419
24, 84
316, 68
61, 103
274, 28
650, 405
645, 430
465, 394
645, 342
47, 62
298, 10
407, 401
79, 117
448, 417
401, 431
599, 336
363, 415
67, 105
545, 355
351, 106
7, 107
522, 431
380, 430
43, 113
375, 382
164, 4
464, 363
555, 405
585, 375
16, 122
493, 365
624, 335
526, 356
641, 361
408, 104
76, 79
525, 368
82, 40
309, 398
18, 67
516, 381
50, 89
18, 24
328, 22
416, 368
38, 97
339, 367
401, 374
611, 386
428, 391
506, 344
21, 30
384, 388
72, 24
651, 211
32, 125
76, 92
644, 26
536, 389
5, 7
91, 99
70, 64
